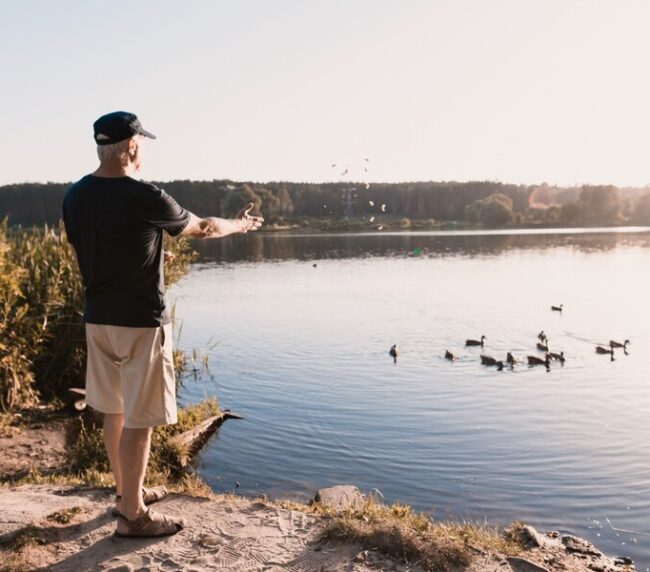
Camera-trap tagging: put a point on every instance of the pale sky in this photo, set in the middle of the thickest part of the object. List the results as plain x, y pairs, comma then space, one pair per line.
521, 91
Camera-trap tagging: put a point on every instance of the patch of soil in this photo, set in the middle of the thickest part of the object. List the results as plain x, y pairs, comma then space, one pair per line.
34, 439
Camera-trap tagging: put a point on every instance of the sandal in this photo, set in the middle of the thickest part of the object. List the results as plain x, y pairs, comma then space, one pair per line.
149, 496
151, 524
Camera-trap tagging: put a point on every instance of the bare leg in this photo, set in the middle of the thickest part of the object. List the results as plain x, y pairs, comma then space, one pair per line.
113, 423
134, 456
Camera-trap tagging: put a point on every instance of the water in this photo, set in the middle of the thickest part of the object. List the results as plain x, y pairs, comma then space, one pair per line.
302, 352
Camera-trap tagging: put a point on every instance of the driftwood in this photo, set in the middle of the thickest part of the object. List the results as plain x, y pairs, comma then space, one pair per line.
193, 440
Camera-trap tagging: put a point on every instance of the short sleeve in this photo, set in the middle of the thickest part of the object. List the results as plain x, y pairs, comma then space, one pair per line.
164, 212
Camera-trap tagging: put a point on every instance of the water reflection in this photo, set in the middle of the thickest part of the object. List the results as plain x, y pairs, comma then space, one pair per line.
275, 246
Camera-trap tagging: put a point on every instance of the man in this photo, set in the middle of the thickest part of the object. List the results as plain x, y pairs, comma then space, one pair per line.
115, 224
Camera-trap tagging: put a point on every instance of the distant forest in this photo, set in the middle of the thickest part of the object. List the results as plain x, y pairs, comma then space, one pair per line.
489, 204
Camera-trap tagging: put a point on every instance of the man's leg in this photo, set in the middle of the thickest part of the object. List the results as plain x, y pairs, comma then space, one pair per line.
113, 424
134, 456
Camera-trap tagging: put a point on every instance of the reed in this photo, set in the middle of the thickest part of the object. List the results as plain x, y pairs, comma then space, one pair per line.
42, 339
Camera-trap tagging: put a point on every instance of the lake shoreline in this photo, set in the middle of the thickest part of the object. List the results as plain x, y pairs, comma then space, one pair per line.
61, 526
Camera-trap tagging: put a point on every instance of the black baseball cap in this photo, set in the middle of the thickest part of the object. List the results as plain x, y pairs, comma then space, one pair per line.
118, 126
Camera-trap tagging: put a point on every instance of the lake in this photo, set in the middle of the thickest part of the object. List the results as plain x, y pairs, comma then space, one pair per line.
297, 329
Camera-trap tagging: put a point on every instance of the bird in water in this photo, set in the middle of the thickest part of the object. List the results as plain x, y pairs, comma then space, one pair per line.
534, 360
542, 347
476, 342
557, 357
557, 308
542, 336
604, 350
489, 360
614, 344
393, 352
511, 359
450, 356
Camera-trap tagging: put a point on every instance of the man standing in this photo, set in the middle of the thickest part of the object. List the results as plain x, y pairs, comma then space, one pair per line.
115, 224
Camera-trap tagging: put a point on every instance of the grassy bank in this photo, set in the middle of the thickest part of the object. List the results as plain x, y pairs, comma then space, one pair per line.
42, 340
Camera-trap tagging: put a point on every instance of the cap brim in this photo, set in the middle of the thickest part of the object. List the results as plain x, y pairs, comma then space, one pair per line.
146, 133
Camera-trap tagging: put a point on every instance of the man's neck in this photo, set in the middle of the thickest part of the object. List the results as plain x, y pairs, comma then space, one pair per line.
114, 170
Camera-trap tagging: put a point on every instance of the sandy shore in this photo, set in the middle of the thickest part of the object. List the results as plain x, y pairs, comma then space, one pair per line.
62, 528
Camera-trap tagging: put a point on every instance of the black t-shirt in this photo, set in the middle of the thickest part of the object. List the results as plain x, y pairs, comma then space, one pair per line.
115, 226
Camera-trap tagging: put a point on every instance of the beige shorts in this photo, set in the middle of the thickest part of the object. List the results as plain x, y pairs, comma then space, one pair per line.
131, 371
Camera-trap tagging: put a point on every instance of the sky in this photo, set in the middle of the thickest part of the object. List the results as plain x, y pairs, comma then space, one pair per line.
517, 91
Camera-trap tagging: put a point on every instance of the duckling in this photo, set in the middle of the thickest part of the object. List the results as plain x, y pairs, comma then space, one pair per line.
393, 352
489, 360
557, 357
613, 344
541, 336
542, 347
557, 308
511, 359
450, 356
476, 342
602, 350
534, 360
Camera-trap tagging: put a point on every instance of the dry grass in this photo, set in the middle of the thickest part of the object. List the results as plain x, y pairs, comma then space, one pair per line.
63, 516
399, 532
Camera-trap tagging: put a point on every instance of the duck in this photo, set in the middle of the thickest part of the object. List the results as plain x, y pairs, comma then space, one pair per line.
557, 308
534, 360
542, 347
557, 357
450, 356
511, 359
393, 352
614, 344
603, 350
541, 336
489, 360
476, 342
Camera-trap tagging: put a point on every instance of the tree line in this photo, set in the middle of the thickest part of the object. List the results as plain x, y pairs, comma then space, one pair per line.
481, 203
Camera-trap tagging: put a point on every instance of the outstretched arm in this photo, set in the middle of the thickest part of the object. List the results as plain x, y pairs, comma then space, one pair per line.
214, 227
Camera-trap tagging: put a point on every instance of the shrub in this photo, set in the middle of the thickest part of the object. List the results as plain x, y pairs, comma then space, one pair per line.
42, 339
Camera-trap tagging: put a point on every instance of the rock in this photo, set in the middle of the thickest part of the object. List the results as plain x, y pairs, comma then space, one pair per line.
530, 538
579, 546
340, 497
623, 561
523, 565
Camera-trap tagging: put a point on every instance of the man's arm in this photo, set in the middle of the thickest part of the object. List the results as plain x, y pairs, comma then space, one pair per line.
214, 227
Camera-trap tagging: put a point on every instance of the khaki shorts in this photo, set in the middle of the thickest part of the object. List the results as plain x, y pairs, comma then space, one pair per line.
131, 371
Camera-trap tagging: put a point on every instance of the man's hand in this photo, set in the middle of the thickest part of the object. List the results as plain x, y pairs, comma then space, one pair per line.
246, 220
214, 227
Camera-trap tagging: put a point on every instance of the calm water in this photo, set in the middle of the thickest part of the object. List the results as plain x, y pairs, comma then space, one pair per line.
302, 352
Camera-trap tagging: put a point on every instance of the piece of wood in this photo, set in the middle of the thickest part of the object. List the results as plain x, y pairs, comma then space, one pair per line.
194, 439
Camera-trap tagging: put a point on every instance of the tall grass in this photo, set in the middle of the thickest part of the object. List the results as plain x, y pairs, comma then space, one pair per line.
42, 339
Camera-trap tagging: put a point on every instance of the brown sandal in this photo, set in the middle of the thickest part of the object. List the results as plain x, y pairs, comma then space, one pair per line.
149, 496
151, 524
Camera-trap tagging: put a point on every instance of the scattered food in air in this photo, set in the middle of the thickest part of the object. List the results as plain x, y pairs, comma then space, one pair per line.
371, 203
380, 228
383, 208
372, 219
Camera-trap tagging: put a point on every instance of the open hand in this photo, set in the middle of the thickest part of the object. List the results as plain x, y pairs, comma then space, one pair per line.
247, 221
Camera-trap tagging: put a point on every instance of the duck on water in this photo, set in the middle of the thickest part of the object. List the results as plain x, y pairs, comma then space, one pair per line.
476, 342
